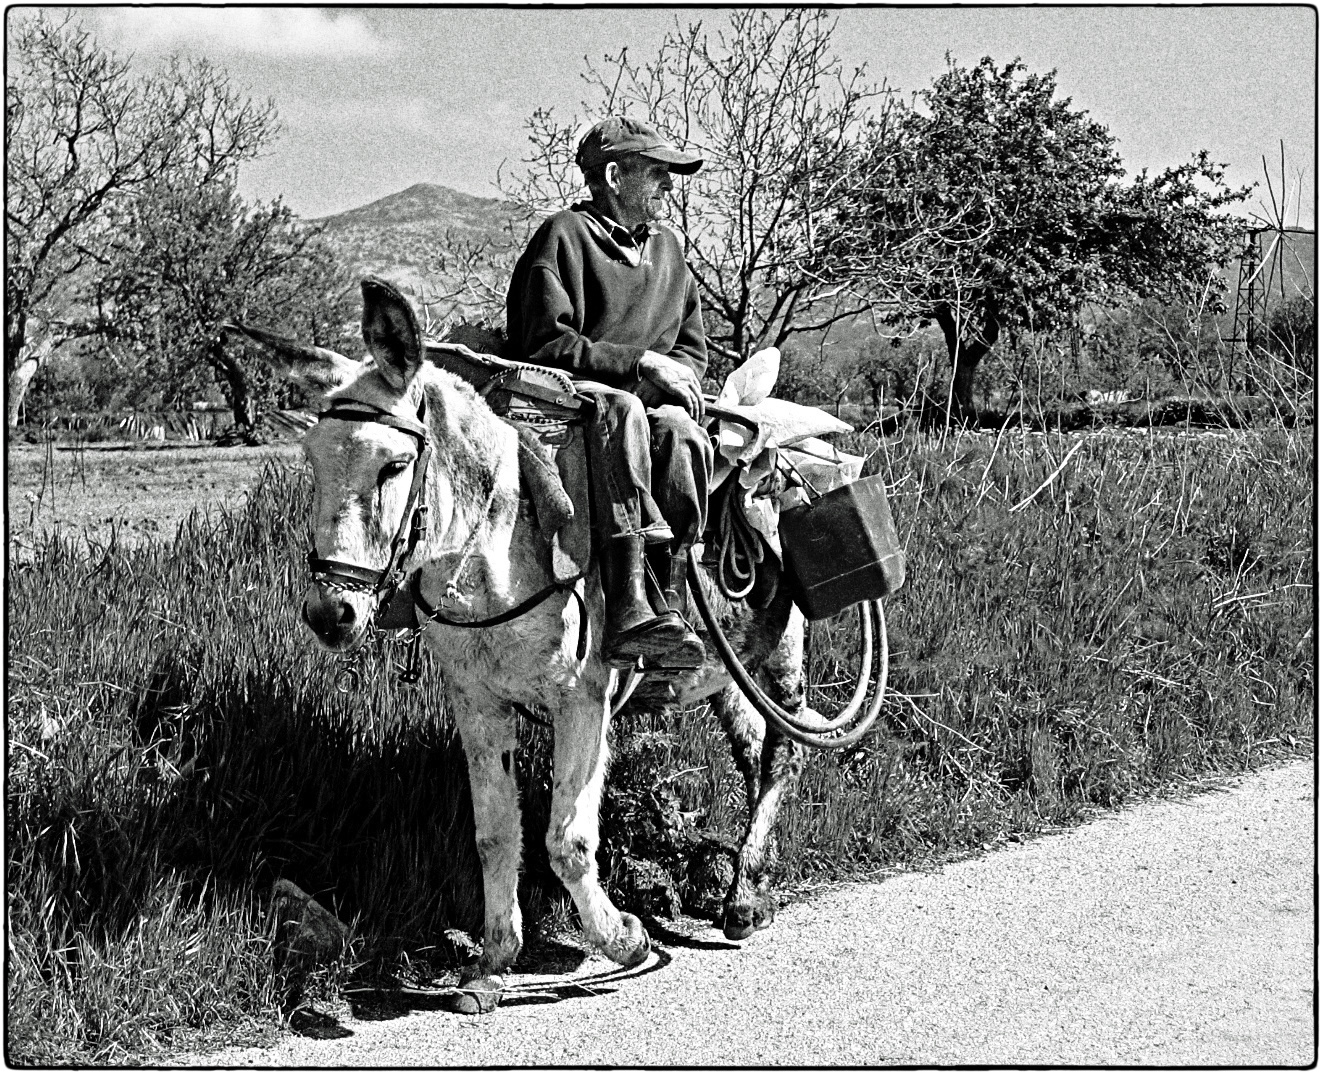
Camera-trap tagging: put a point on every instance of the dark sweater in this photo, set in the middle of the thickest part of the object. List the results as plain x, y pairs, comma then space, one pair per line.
584, 299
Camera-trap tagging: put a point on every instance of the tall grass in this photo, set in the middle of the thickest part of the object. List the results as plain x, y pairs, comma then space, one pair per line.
175, 745
1144, 619
176, 742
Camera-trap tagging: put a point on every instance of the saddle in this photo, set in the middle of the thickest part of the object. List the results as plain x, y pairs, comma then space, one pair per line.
549, 415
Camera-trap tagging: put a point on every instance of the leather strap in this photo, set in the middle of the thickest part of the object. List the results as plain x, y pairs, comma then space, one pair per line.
354, 411
348, 575
430, 612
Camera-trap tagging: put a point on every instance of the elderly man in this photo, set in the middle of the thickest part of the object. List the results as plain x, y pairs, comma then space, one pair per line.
603, 292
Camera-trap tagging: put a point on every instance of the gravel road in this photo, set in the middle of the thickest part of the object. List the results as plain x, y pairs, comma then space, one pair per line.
1177, 932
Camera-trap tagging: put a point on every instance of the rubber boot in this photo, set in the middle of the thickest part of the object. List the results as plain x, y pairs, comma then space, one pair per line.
671, 569
633, 629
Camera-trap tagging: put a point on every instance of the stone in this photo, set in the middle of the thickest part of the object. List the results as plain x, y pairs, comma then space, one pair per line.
647, 889
305, 933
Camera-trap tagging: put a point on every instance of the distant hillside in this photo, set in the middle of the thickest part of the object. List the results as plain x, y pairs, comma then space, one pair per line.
401, 235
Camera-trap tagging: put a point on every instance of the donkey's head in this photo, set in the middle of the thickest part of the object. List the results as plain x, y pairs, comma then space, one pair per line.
368, 455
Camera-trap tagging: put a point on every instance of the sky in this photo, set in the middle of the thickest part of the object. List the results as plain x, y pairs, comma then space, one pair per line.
375, 99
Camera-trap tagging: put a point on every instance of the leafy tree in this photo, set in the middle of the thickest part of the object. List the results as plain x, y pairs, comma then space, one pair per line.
894, 371
83, 136
192, 255
773, 112
1002, 209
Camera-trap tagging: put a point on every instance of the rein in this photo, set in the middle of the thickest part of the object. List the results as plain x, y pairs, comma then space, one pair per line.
431, 613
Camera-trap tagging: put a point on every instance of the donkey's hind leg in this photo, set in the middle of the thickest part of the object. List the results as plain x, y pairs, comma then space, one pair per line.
489, 736
746, 729
771, 765
572, 832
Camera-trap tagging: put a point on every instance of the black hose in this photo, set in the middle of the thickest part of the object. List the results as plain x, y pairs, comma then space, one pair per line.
788, 724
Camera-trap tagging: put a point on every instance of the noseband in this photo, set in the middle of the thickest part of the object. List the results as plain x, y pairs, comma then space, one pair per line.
412, 524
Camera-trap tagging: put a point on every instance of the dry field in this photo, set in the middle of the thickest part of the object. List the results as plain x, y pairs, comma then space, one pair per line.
134, 491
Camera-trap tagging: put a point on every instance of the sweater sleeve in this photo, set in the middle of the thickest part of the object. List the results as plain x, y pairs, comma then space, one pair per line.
691, 343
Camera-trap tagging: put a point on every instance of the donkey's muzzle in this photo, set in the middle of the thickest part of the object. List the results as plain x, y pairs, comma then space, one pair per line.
331, 615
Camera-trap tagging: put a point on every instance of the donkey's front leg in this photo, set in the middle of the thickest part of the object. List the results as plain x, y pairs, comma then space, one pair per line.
489, 735
572, 834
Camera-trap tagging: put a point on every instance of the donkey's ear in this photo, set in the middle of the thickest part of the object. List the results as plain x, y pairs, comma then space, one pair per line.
314, 368
391, 332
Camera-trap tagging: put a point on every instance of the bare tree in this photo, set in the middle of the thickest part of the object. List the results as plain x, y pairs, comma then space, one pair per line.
774, 113
82, 135
469, 278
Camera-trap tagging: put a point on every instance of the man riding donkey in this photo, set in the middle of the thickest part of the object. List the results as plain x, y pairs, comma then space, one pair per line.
603, 292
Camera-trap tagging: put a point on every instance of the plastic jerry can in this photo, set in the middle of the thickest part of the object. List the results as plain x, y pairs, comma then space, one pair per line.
842, 548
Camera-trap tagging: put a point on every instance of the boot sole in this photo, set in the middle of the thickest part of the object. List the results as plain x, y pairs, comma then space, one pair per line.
648, 640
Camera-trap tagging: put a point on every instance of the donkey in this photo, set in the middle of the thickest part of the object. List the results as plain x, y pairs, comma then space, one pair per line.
433, 436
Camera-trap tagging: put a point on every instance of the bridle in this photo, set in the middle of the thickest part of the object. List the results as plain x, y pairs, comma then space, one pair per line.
413, 523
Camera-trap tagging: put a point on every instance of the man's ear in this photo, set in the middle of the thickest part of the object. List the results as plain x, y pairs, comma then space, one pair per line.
316, 369
391, 332
612, 176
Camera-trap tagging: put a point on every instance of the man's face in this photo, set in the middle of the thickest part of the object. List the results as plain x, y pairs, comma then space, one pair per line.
643, 185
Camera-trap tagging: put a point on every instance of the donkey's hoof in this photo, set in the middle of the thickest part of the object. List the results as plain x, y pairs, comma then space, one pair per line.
476, 993
738, 926
742, 921
633, 945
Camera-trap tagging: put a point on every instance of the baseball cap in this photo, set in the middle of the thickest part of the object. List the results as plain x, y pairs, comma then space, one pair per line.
620, 136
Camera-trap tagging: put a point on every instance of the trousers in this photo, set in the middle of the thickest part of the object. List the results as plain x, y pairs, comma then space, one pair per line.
651, 469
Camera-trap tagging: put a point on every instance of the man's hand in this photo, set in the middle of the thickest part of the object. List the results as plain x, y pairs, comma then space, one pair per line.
676, 381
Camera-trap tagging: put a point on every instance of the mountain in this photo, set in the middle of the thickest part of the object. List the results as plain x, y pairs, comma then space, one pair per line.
424, 203
402, 236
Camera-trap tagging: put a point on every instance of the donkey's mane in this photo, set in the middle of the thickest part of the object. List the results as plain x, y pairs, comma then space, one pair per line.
471, 441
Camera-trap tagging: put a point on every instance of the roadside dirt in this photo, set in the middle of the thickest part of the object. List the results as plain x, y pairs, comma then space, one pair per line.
1180, 932
141, 491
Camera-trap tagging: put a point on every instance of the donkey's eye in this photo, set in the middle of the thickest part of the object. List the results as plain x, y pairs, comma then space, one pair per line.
391, 469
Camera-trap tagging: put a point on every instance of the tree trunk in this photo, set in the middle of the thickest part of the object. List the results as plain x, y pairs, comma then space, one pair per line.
878, 397
966, 353
26, 358
17, 387
840, 399
242, 404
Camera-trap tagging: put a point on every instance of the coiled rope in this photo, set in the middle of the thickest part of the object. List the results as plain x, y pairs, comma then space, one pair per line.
817, 732
739, 546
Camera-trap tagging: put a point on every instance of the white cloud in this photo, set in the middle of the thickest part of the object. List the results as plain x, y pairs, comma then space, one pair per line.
280, 32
